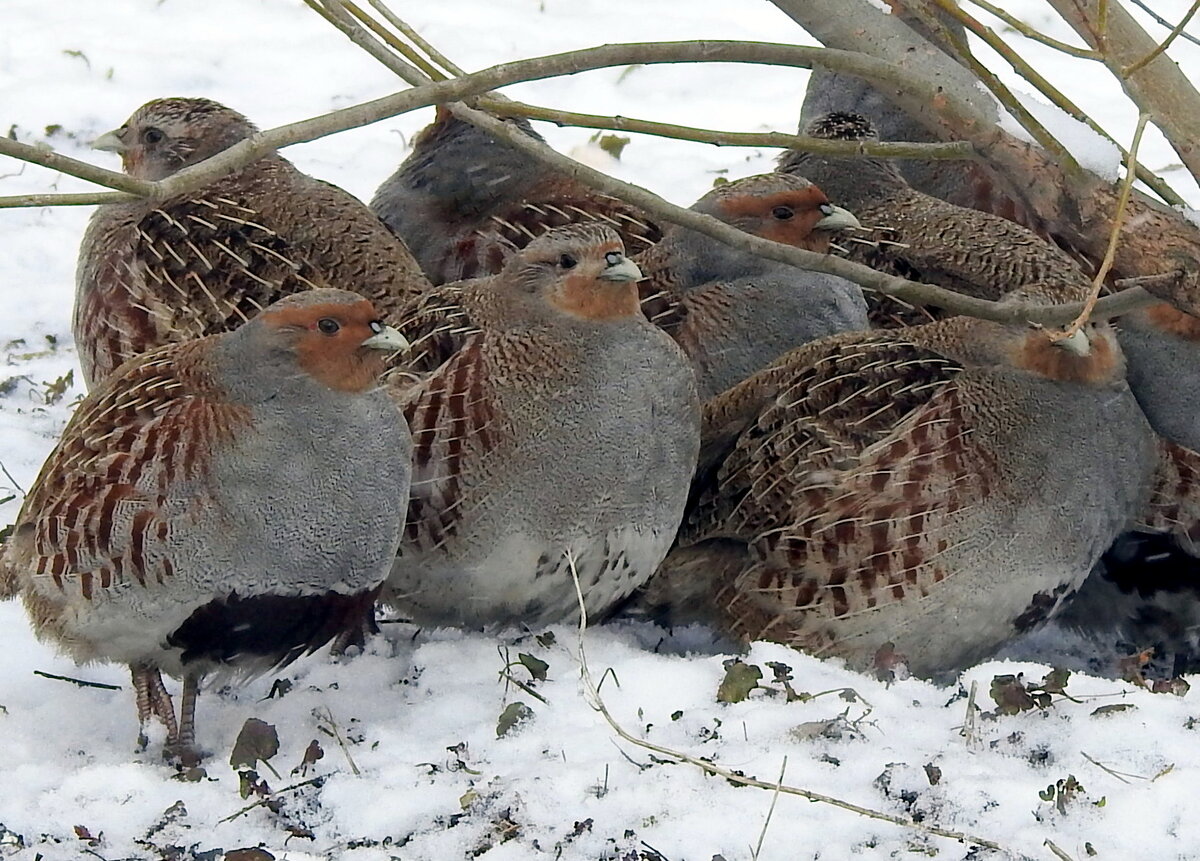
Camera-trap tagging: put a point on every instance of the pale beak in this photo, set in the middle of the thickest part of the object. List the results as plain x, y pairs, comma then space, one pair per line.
836, 219
110, 142
1077, 343
626, 270
387, 339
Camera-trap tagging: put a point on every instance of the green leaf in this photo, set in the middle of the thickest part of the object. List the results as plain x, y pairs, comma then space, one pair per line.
740, 679
536, 666
257, 742
514, 714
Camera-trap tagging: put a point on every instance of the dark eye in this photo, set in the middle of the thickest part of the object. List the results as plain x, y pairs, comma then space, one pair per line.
566, 261
783, 213
328, 326
152, 135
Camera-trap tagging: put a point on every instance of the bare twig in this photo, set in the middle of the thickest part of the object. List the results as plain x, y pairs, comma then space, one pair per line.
1056, 97
1119, 775
971, 720
274, 795
770, 811
16, 484
1158, 87
1058, 852
1141, 4
909, 291
989, 79
1030, 33
440, 92
1162, 46
1118, 220
324, 715
597, 703
83, 683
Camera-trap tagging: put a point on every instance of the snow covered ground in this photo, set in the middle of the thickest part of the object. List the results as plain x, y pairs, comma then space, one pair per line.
431, 778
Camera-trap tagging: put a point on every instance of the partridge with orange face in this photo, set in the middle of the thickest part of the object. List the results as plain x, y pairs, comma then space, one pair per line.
464, 201
220, 506
972, 252
205, 261
562, 434
925, 488
731, 311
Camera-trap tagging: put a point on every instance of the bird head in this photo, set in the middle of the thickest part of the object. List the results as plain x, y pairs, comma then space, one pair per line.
165, 135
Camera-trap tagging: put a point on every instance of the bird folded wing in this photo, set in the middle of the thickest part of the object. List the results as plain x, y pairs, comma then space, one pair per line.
869, 535
95, 513
455, 423
815, 413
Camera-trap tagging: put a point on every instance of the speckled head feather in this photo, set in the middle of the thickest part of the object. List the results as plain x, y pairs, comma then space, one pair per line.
165, 135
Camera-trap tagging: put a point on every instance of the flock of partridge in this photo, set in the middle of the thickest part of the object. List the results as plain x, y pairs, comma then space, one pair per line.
576, 404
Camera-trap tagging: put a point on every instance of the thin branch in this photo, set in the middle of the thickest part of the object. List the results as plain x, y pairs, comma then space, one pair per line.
941, 150
1141, 4
16, 484
1117, 222
1056, 97
84, 198
399, 45
770, 811
416, 38
909, 291
83, 683
1006, 97
1030, 33
1129, 70
597, 703
441, 92
274, 795
871, 279
1158, 87
56, 161
1058, 852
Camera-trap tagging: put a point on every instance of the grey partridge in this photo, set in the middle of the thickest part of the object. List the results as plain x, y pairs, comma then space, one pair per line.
221, 506
563, 432
972, 252
731, 311
158, 272
464, 201
940, 488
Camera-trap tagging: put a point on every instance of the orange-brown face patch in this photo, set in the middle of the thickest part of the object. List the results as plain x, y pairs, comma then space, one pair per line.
805, 203
1173, 321
1037, 353
339, 361
586, 296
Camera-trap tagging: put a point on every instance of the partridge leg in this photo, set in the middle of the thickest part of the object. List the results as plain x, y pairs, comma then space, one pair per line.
184, 743
152, 699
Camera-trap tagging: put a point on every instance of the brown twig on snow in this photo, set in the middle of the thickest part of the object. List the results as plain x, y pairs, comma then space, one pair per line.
83, 683
1164, 44
597, 703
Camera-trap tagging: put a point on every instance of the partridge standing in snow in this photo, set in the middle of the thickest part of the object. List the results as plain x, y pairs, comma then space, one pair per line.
222, 505
205, 261
464, 201
564, 432
940, 488
732, 311
972, 252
